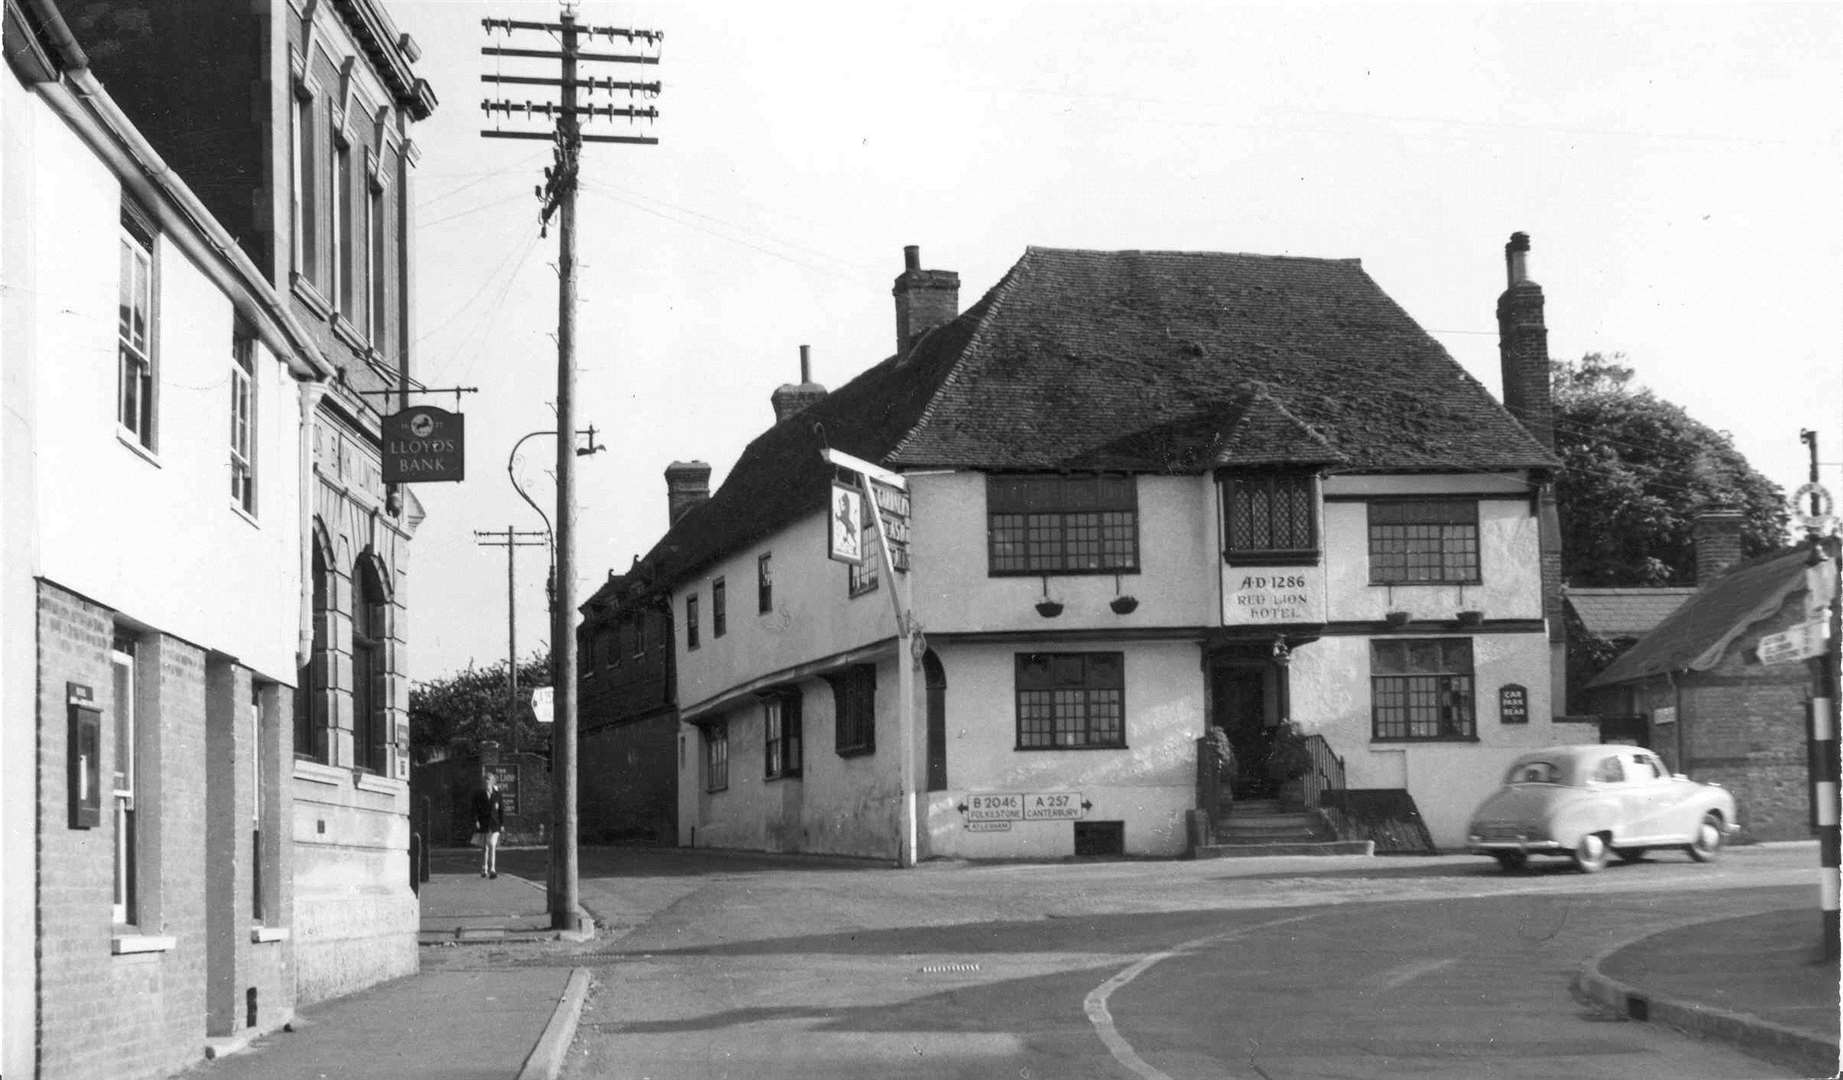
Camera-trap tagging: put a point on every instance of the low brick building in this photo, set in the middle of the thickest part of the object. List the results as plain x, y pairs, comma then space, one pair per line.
1710, 708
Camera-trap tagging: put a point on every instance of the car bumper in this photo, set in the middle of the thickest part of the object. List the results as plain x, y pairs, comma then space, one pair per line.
1525, 846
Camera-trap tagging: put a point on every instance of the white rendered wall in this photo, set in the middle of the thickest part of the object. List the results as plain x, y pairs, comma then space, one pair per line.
154, 536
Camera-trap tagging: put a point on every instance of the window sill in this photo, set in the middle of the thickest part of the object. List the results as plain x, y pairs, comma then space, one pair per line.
1376, 740
248, 518
1374, 584
781, 777
131, 441
307, 293
263, 934
857, 751
1096, 572
376, 782
128, 944
318, 773
346, 332
1052, 749
1270, 558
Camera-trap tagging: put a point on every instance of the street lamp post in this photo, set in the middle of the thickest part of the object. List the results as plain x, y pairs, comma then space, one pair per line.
562, 890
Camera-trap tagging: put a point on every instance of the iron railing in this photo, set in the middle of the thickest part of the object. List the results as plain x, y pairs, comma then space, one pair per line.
1326, 773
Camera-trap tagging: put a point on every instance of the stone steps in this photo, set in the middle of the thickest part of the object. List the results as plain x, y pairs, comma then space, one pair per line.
1256, 827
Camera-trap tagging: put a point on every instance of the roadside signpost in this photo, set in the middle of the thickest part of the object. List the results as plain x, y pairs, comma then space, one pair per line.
1819, 647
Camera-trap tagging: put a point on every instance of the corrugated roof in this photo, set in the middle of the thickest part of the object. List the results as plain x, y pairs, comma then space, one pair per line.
1697, 633
1133, 361
1625, 613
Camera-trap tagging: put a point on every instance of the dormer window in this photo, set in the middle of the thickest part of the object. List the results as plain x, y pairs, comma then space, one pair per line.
1270, 518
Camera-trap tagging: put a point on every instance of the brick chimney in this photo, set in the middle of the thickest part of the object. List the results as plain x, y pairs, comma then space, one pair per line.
1717, 538
925, 299
687, 485
789, 399
1523, 345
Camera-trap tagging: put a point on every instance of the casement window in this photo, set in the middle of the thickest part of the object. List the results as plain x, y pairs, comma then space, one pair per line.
861, 577
691, 621
1071, 700
343, 271
1270, 518
310, 728
719, 621
1083, 524
717, 756
781, 742
764, 583
123, 906
370, 717
243, 421
1422, 688
374, 245
854, 700
1423, 542
136, 331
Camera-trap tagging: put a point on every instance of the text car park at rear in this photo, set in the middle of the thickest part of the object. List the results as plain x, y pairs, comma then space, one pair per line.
1589, 802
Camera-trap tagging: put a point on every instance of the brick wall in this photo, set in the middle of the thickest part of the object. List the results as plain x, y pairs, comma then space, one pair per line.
628, 786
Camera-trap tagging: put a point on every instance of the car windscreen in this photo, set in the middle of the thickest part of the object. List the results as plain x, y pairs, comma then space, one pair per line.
1536, 771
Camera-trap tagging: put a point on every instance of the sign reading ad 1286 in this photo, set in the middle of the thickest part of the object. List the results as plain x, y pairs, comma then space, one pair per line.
1255, 595
424, 444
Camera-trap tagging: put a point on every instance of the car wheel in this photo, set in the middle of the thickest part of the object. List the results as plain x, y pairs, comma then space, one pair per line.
1707, 843
1510, 861
1590, 853
1632, 855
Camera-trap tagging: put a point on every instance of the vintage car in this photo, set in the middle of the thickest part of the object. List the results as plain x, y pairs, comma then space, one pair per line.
1589, 802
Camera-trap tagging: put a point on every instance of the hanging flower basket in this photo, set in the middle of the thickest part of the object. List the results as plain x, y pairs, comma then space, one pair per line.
1123, 605
1471, 618
1398, 618
1049, 609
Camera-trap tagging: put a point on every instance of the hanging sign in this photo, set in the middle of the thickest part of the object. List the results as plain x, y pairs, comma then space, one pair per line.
845, 525
1801, 642
424, 444
893, 508
544, 704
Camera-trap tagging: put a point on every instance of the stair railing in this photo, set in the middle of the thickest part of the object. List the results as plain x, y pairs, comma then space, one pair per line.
1326, 773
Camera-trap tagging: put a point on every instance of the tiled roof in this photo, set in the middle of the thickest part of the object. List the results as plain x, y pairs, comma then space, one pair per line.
1694, 637
1625, 613
1132, 361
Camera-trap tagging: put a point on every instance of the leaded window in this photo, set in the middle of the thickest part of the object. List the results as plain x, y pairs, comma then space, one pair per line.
782, 750
1071, 700
1422, 688
1076, 524
1423, 542
1271, 517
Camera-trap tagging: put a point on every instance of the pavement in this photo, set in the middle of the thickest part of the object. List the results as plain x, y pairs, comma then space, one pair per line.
1755, 981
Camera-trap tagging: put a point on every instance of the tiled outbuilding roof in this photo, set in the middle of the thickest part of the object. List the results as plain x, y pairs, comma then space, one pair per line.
1696, 635
1625, 613
1170, 362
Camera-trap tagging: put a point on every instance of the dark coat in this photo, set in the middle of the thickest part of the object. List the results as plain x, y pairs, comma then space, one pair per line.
489, 811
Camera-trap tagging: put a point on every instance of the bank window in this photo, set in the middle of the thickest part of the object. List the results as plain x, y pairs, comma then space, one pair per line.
370, 629
135, 331
719, 620
304, 212
123, 904
1270, 518
243, 421
342, 260
782, 750
310, 715
1422, 688
1071, 700
717, 756
374, 248
1423, 541
1080, 524
854, 699
691, 621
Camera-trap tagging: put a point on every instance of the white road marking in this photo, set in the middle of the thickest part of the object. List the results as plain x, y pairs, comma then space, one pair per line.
1407, 973
1095, 1004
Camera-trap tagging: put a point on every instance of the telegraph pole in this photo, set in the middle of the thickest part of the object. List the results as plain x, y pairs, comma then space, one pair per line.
558, 196
512, 539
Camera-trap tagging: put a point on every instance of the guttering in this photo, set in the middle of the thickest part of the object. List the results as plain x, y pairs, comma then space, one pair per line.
81, 100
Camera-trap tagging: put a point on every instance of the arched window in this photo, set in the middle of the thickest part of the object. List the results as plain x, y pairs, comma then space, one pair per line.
310, 689
370, 630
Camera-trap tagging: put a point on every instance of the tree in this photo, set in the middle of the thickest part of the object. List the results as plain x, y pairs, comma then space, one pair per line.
467, 710
1636, 470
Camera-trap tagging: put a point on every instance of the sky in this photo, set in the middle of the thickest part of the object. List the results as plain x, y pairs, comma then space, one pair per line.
1673, 163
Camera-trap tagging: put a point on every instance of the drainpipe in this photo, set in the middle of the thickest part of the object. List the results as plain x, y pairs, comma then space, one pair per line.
311, 393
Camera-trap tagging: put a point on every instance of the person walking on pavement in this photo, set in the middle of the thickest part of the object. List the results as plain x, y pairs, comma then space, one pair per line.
489, 810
